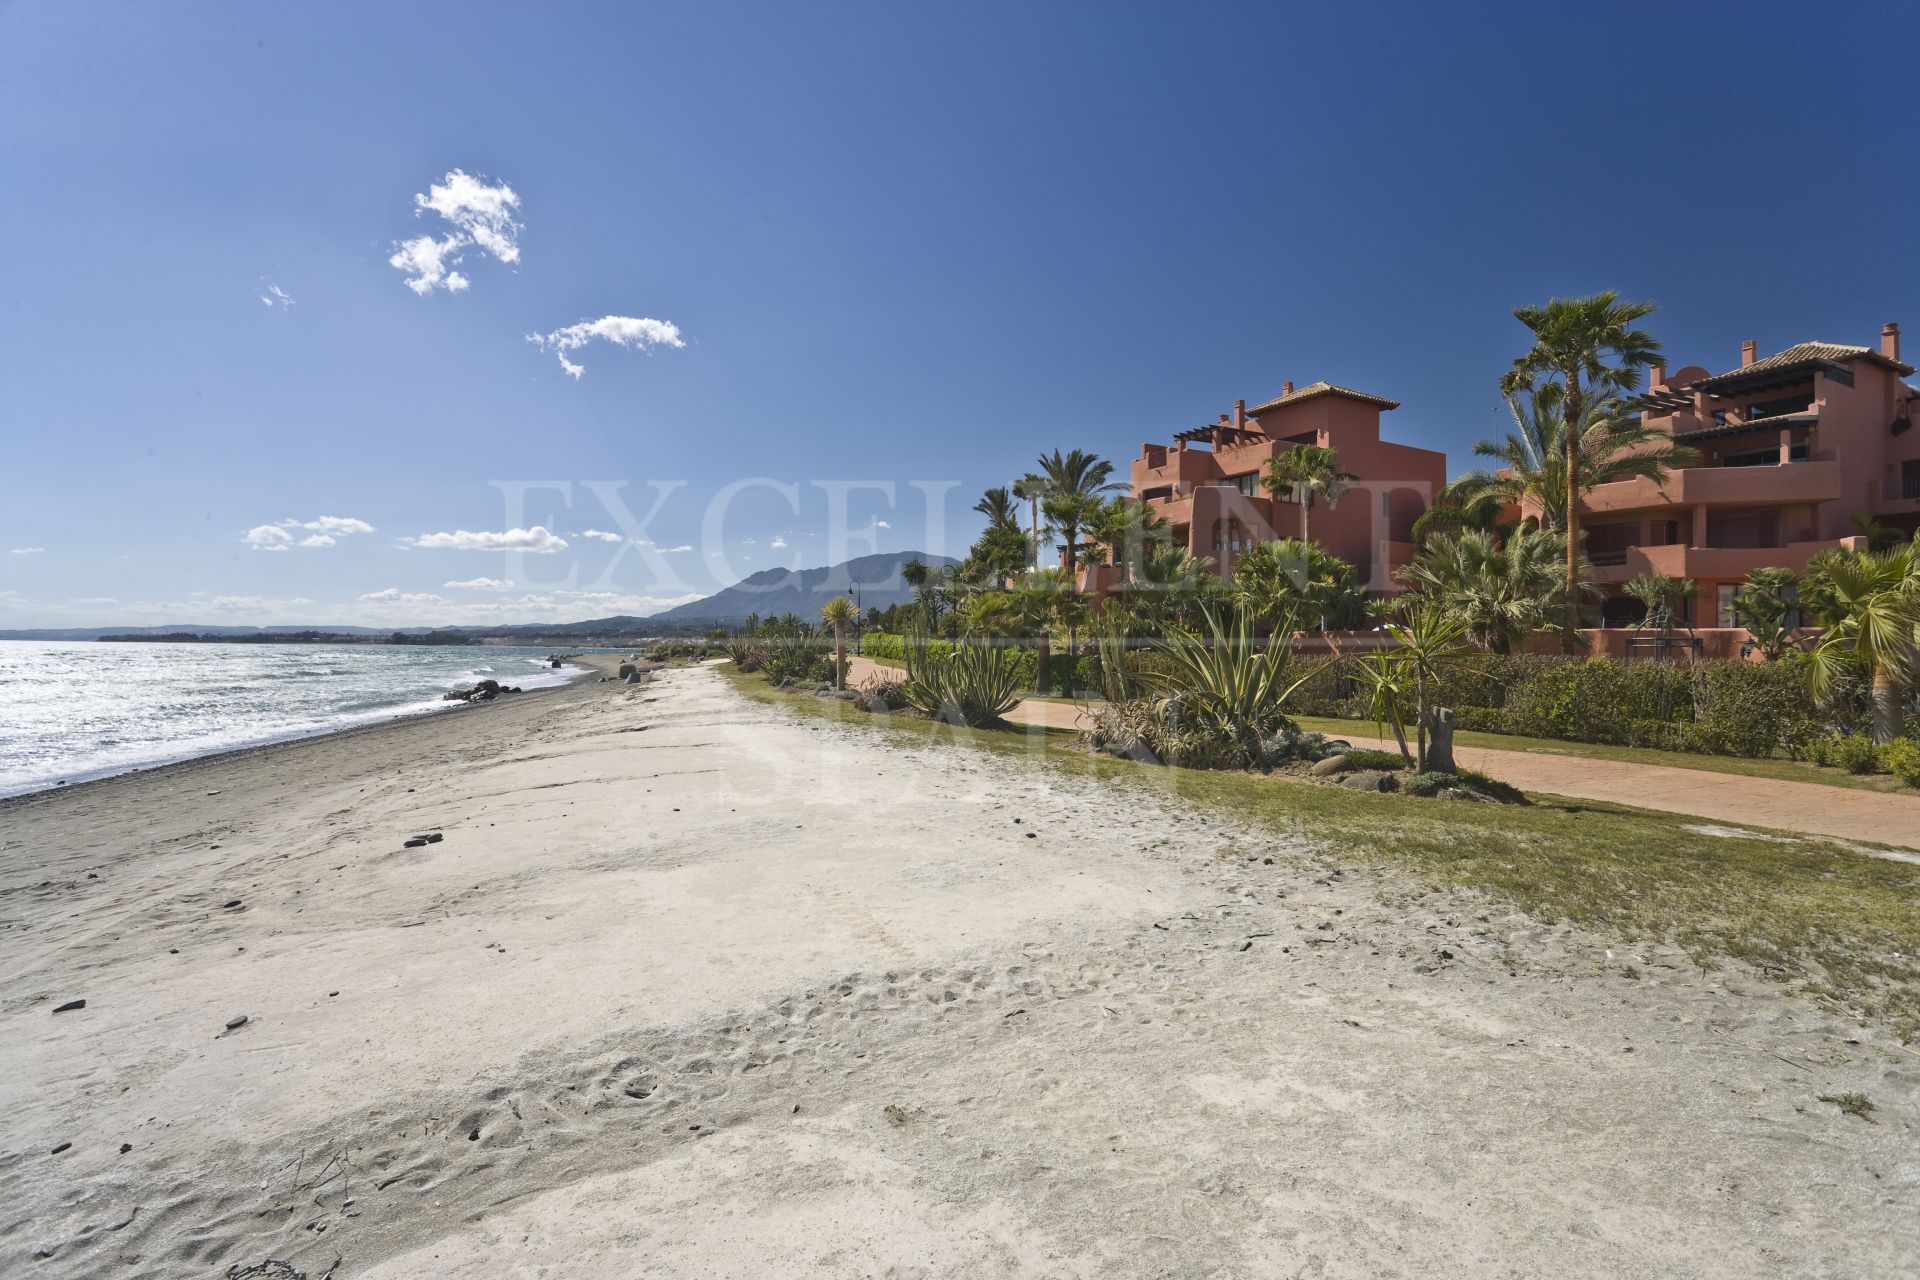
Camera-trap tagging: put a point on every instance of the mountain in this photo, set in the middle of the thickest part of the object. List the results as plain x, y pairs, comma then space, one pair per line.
875, 581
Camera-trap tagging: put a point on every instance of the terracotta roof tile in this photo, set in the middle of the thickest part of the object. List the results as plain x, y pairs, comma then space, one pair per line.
1807, 353
1314, 389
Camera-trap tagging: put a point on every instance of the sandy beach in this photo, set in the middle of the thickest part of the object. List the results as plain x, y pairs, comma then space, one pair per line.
695, 986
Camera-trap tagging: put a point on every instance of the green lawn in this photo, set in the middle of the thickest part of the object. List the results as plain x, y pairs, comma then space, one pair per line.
1840, 925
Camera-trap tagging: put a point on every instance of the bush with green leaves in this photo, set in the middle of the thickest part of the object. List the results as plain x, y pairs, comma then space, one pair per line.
1067, 676
1368, 758
1229, 683
1853, 752
1901, 758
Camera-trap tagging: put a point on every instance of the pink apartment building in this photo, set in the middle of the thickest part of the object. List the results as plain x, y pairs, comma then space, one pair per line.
1791, 447
1208, 481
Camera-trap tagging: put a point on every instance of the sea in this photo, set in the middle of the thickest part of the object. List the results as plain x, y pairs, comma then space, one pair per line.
73, 710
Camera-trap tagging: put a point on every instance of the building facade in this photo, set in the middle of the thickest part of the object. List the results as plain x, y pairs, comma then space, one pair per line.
1792, 447
1207, 482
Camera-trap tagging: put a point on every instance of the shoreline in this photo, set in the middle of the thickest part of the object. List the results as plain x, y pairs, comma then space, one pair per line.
694, 986
591, 669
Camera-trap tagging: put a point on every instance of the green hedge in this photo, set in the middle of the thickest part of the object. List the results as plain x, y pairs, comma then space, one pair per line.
1719, 708
1068, 676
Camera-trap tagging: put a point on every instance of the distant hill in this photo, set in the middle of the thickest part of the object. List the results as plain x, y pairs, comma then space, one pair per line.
771, 592
875, 580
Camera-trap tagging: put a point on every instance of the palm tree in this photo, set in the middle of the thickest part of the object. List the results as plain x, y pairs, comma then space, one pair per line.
1287, 581
1575, 338
1499, 592
1074, 484
1037, 603
1870, 601
1031, 488
839, 613
1173, 586
1612, 443
1474, 501
1657, 591
1130, 531
1306, 472
1002, 549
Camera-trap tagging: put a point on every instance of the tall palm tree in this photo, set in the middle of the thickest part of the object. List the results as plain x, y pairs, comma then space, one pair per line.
1499, 592
1612, 444
839, 613
1030, 489
1002, 550
1870, 601
1307, 472
1574, 338
1075, 484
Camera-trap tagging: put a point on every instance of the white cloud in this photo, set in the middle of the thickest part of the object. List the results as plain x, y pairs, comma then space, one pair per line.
778, 542
622, 331
665, 551
255, 604
537, 540
479, 215
332, 524
480, 584
881, 524
325, 531
26, 551
275, 296
601, 534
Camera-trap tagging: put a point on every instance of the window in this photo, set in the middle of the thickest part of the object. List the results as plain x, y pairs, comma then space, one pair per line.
1774, 408
1724, 604
1248, 483
1765, 457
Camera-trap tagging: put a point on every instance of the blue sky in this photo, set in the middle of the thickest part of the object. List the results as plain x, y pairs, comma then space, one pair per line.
898, 243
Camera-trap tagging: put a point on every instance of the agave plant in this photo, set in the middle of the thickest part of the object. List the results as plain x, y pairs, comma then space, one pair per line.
1228, 683
976, 684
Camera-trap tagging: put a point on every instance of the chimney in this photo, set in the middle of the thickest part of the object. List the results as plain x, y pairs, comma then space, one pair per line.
1747, 350
1239, 413
1286, 388
1890, 340
1656, 375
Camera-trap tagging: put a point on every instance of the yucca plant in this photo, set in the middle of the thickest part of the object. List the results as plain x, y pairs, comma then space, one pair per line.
1384, 679
976, 684
1118, 681
1227, 683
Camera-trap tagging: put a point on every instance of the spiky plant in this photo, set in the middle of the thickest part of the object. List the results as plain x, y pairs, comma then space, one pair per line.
976, 684
839, 613
1228, 683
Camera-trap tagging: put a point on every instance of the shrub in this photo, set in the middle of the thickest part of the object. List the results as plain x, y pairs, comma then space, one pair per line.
1291, 744
1366, 758
1901, 758
885, 695
1231, 685
1854, 753
1426, 784
1746, 708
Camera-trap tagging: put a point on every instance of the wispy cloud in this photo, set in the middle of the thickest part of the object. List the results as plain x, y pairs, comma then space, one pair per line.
275, 296
479, 216
480, 584
268, 537
331, 524
622, 331
665, 551
881, 524
538, 540
394, 595
778, 542
601, 534
319, 540
26, 551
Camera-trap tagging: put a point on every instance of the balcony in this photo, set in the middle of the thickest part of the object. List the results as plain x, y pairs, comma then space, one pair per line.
1721, 486
1900, 489
1182, 466
1705, 564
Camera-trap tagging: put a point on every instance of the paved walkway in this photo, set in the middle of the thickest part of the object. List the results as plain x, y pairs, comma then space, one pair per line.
1812, 807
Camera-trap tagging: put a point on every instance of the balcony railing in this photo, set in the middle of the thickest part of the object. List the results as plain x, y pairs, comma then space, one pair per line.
1900, 489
